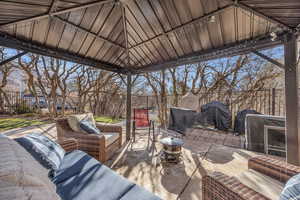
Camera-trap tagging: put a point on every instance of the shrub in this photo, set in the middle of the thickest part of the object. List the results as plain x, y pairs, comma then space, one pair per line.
21, 108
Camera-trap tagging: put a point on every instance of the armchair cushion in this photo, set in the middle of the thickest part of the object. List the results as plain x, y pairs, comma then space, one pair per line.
260, 183
47, 152
88, 127
73, 121
111, 137
291, 189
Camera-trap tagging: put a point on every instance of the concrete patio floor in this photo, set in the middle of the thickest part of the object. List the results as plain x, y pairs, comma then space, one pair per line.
204, 152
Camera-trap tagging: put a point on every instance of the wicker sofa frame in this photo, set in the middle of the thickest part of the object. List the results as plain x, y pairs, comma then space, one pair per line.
92, 144
218, 186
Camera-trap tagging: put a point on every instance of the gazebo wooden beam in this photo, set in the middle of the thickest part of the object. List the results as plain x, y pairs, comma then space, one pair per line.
128, 107
87, 31
12, 58
201, 56
292, 125
28, 46
48, 14
195, 21
269, 59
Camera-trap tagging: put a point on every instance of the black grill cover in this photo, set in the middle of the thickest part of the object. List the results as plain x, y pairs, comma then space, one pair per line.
239, 122
215, 113
180, 119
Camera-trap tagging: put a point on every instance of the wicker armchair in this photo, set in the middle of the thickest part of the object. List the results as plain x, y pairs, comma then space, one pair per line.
94, 145
68, 144
218, 186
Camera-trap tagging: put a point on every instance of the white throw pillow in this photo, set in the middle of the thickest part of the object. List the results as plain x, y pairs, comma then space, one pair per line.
74, 120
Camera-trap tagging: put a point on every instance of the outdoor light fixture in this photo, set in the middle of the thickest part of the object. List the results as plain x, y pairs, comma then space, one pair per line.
212, 19
273, 36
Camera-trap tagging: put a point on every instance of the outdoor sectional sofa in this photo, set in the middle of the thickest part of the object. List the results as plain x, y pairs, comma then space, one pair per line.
79, 177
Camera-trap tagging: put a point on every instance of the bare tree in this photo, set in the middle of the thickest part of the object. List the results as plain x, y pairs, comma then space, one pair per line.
63, 82
5, 71
157, 82
28, 67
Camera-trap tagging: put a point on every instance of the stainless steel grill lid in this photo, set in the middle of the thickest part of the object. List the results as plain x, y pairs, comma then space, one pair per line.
170, 141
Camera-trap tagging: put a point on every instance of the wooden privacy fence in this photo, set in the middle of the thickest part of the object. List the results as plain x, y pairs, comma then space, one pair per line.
267, 101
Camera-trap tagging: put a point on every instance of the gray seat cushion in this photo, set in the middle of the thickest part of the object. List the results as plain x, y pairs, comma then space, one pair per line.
110, 137
82, 177
291, 189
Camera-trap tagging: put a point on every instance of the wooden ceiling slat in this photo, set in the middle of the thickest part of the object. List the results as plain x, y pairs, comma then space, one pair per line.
167, 45
176, 45
136, 26
227, 18
185, 15
113, 35
24, 30
70, 31
117, 51
98, 25
116, 32
147, 12
134, 39
155, 45
40, 30
137, 14
243, 18
213, 27
166, 42
135, 61
55, 31
151, 16
143, 52
174, 19
87, 23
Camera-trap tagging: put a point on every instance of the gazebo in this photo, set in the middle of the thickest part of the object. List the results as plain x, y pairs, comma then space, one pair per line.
136, 36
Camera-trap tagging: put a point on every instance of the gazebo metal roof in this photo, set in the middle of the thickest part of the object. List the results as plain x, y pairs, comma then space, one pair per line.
144, 35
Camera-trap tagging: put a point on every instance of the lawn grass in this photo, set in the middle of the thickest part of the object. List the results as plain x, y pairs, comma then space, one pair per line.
104, 119
11, 123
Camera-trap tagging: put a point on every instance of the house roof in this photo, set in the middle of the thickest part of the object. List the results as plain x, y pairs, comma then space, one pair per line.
144, 35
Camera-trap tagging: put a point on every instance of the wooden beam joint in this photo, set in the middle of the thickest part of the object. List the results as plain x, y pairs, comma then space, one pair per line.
269, 59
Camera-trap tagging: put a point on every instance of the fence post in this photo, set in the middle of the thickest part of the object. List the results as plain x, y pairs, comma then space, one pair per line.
147, 99
273, 100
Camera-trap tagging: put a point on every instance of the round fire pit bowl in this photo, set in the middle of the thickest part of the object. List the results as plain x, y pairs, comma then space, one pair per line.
171, 149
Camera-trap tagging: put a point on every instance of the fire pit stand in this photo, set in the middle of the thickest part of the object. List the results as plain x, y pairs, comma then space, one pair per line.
171, 152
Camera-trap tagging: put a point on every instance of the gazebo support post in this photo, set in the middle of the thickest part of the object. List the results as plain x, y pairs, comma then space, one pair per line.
128, 108
292, 100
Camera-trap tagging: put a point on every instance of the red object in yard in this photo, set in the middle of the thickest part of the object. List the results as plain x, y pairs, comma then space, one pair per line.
141, 117
141, 120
